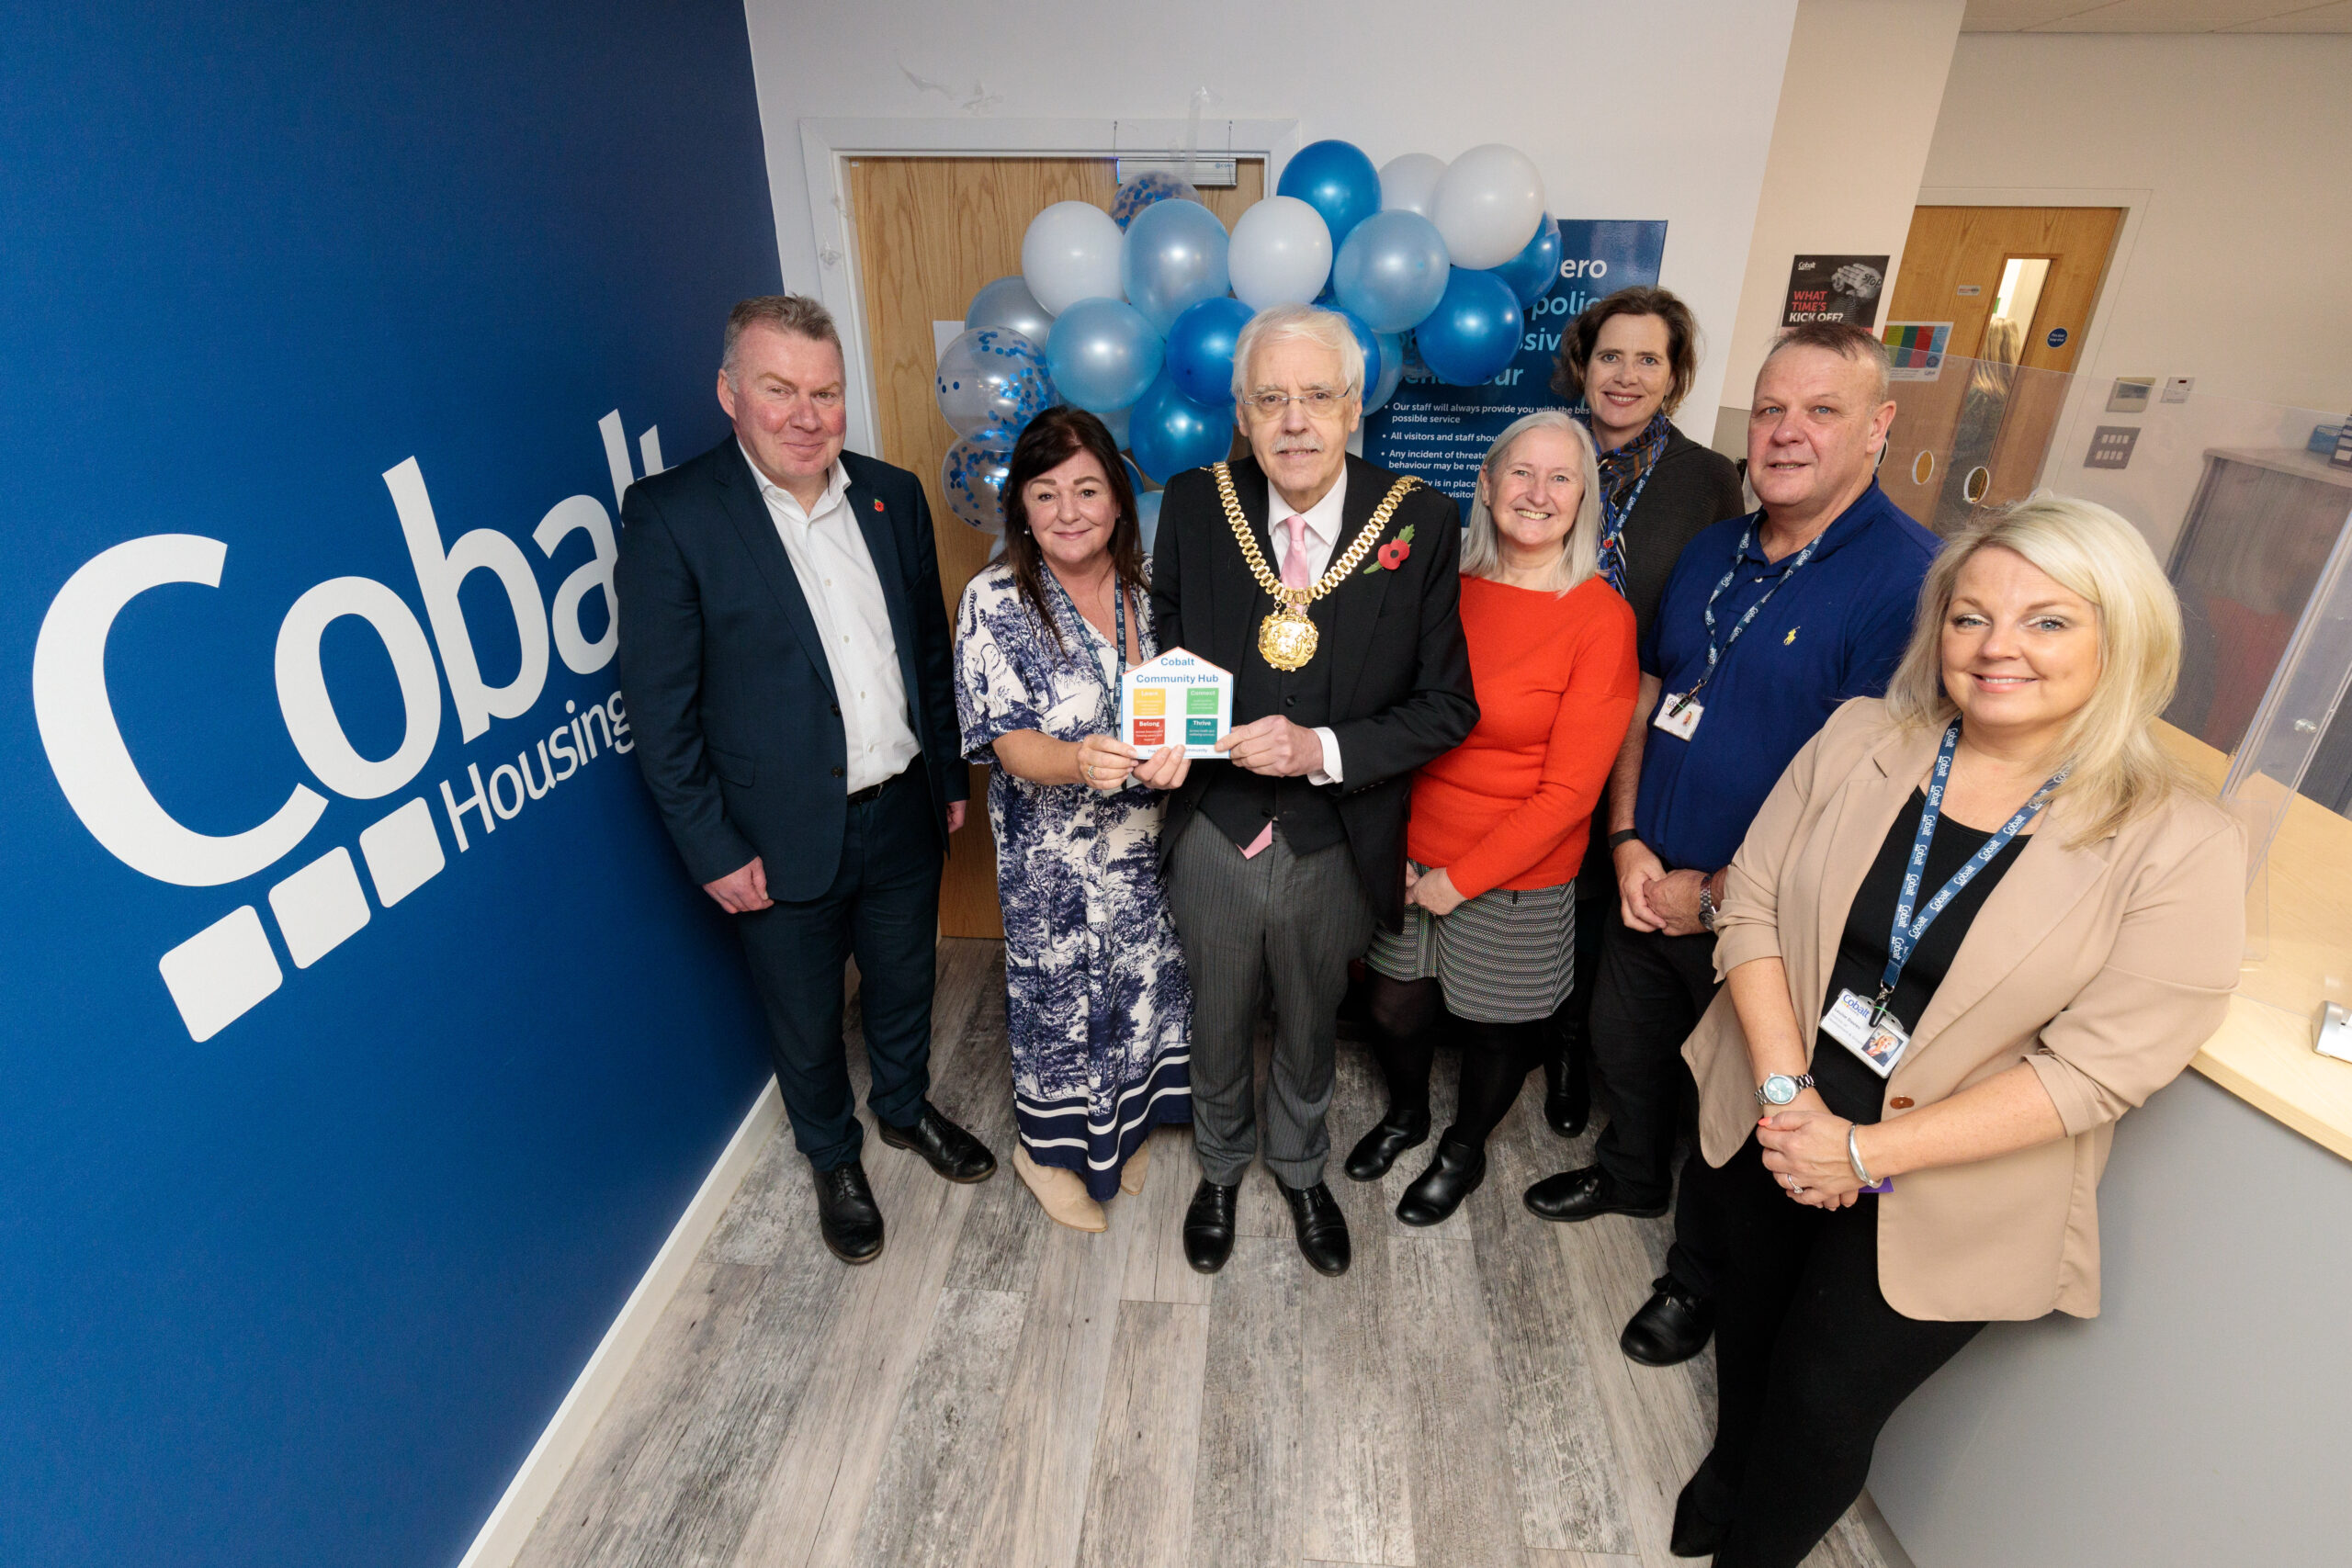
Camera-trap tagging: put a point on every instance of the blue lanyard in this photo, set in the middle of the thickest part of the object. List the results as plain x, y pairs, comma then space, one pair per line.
1747, 537
1904, 938
1614, 515
1118, 622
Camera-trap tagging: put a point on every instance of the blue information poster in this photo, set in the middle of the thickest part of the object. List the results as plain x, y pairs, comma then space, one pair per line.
1441, 432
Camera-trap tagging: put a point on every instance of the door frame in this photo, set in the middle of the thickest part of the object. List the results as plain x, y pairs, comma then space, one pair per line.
2134, 201
826, 145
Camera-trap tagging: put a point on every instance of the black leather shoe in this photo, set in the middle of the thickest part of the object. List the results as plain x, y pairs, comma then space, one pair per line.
1567, 1086
1208, 1225
1581, 1194
1322, 1229
1701, 1515
1378, 1149
1671, 1326
1439, 1190
944, 1146
847, 1214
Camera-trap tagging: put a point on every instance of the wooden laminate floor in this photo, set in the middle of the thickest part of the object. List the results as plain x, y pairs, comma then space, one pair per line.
996, 1392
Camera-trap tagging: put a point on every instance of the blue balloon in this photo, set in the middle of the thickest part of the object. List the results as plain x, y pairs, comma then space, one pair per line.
1534, 270
1115, 421
1200, 349
1474, 330
1103, 354
1337, 180
1148, 516
1370, 342
1392, 371
1392, 270
1173, 257
1172, 433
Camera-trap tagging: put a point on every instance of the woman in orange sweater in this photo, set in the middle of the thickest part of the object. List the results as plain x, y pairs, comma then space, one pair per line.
1500, 823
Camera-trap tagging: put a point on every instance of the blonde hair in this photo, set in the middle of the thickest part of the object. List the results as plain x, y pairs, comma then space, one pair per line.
1482, 554
1309, 322
2120, 773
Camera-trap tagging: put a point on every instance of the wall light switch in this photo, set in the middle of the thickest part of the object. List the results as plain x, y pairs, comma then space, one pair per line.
2131, 394
2177, 387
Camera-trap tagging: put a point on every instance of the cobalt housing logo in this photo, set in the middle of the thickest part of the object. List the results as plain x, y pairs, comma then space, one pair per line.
222, 971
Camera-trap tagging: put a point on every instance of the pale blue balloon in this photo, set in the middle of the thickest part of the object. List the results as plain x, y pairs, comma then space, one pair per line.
1103, 354
1174, 257
1392, 271
1148, 516
991, 376
1392, 370
1007, 302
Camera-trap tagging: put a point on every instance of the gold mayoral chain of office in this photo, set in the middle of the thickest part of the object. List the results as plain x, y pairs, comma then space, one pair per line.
1287, 639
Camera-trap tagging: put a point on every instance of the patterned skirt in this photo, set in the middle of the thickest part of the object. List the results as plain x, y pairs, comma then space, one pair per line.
1502, 957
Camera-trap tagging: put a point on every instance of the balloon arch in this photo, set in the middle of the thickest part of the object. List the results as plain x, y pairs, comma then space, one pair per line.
1133, 314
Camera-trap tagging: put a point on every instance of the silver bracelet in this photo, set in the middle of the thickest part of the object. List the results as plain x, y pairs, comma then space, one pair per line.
1854, 1155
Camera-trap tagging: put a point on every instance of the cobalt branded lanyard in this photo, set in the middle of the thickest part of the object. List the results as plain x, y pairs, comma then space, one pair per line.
1118, 623
1681, 717
1868, 1029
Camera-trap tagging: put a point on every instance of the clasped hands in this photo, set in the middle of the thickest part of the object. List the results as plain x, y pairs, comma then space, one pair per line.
1652, 899
1104, 761
1805, 1149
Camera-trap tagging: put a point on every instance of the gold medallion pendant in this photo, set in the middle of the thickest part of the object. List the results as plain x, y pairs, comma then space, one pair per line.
1287, 639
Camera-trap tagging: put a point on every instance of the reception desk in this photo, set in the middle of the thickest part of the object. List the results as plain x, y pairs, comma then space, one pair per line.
2197, 1421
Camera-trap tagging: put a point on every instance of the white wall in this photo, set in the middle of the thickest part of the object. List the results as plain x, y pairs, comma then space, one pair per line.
2238, 271
1849, 139
1661, 110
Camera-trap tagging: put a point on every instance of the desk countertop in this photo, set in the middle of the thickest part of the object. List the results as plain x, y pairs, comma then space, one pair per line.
2263, 1051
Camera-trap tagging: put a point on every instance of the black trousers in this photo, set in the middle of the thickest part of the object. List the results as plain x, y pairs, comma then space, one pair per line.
883, 907
1810, 1362
1650, 992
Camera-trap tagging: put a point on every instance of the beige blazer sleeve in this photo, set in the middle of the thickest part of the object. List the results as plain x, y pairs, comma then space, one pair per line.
2103, 966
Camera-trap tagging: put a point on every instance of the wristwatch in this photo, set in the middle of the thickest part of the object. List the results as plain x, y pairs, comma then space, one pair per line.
1623, 836
1707, 904
1782, 1089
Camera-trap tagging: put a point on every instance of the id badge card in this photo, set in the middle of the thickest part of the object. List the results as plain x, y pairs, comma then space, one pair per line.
1679, 718
1878, 1047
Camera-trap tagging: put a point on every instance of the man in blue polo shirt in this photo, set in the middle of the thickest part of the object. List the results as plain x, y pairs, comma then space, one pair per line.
1768, 623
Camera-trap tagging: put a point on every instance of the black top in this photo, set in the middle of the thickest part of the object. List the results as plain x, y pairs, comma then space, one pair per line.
1852, 1089
1690, 488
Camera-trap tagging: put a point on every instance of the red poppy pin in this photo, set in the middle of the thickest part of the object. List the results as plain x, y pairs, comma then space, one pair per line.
877, 503
1393, 554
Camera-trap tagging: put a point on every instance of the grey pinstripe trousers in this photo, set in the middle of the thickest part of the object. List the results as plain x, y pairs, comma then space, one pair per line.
1280, 923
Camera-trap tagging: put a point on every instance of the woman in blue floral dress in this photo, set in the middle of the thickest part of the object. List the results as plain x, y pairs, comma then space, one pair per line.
1097, 1003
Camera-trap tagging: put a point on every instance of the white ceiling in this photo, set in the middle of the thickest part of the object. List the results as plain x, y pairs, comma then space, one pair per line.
2158, 16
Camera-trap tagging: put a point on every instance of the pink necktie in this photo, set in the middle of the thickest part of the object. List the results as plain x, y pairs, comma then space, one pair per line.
1296, 573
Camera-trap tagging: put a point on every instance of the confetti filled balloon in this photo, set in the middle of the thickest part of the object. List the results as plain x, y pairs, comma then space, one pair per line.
992, 376
1146, 190
972, 478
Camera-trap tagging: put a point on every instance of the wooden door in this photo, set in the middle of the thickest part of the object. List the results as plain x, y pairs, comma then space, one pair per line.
1999, 421
931, 232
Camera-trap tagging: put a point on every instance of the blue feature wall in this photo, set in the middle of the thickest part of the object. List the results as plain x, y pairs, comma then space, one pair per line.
332, 1141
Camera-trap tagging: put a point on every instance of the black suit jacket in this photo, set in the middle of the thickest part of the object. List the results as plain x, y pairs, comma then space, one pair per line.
729, 694
1400, 672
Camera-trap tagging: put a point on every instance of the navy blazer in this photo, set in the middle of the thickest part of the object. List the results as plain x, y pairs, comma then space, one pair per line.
729, 694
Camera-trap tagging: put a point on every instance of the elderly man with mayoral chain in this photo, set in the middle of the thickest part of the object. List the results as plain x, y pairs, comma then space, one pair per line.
1328, 587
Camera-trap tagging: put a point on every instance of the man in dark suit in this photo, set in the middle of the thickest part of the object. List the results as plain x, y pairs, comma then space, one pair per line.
784, 651
1279, 864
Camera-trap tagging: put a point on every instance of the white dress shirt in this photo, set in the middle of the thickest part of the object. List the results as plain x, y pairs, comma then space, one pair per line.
1323, 520
844, 596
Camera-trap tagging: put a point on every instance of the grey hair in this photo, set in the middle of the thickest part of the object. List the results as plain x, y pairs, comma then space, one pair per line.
1482, 553
1843, 339
1312, 323
794, 313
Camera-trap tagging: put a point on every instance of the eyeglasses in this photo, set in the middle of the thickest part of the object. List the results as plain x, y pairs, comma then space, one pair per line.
1321, 403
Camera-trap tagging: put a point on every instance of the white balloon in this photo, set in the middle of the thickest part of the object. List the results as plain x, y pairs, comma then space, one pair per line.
1280, 253
1408, 183
1071, 253
1488, 204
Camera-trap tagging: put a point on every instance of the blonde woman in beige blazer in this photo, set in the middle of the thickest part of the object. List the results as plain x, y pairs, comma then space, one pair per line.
2072, 973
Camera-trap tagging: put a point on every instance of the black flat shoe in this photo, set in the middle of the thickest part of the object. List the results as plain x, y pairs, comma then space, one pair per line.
944, 1146
1701, 1515
1568, 1087
1580, 1194
1378, 1149
1322, 1229
847, 1214
1671, 1326
1208, 1225
1439, 1190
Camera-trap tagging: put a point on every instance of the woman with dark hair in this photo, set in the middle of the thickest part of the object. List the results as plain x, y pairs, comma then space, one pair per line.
1625, 365
1098, 1007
